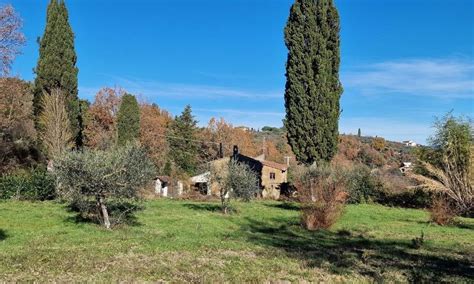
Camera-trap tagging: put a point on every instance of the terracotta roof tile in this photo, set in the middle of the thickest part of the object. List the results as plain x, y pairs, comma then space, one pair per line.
274, 165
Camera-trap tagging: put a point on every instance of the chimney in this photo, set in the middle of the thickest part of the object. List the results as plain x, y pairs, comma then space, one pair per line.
287, 158
236, 151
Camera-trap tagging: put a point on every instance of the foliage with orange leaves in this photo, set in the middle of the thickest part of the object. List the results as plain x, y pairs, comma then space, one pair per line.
220, 131
154, 123
100, 130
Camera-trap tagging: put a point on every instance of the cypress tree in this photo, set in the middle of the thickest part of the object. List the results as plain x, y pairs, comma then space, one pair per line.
183, 148
128, 120
313, 88
359, 133
56, 67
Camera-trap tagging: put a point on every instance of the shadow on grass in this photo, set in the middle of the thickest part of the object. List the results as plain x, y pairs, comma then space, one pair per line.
204, 207
3, 235
463, 225
343, 253
456, 224
120, 213
285, 206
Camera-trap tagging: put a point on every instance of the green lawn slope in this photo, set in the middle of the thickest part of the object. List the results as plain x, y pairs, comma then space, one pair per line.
183, 241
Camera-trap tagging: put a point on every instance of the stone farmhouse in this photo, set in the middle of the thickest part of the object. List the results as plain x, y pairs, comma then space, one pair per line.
272, 176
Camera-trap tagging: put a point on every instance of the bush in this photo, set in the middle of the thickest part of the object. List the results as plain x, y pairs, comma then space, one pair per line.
410, 198
441, 211
100, 178
35, 184
362, 185
239, 181
371, 157
323, 194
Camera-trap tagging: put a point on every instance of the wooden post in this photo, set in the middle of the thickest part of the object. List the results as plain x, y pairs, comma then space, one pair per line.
221, 150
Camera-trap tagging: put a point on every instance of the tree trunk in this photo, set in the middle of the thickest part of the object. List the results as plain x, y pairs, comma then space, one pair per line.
104, 213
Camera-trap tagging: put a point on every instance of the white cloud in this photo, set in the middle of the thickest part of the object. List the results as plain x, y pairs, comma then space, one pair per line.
442, 78
155, 89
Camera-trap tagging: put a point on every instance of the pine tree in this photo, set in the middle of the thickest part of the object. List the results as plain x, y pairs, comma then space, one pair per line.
183, 148
313, 88
56, 67
128, 120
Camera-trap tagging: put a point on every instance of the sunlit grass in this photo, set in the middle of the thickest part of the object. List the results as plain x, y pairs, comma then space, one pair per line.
193, 242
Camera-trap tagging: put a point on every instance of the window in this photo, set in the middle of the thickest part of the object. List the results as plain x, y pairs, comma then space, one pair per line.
272, 175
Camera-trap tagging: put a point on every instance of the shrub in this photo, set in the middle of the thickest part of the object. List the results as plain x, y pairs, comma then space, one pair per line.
441, 211
378, 143
409, 198
362, 185
100, 177
371, 157
323, 194
35, 184
234, 180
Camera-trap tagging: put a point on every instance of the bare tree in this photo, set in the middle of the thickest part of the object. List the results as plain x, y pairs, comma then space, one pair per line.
11, 38
56, 133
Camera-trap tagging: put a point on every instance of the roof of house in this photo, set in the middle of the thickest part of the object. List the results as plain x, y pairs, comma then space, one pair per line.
261, 159
274, 165
164, 178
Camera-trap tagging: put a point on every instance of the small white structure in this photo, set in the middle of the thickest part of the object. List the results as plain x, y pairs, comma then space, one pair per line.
410, 143
179, 188
161, 186
202, 180
406, 166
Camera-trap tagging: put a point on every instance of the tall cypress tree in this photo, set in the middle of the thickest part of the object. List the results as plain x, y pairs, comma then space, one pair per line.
313, 88
128, 120
56, 67
183, 148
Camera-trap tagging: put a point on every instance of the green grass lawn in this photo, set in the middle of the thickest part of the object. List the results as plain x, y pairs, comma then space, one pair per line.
183, 241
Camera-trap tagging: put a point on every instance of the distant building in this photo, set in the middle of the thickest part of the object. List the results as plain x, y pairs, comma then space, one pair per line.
410, 143
244, 128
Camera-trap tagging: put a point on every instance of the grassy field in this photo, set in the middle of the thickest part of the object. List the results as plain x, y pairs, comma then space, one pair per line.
183, 241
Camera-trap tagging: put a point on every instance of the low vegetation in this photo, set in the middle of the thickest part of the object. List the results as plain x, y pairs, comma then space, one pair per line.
182, 241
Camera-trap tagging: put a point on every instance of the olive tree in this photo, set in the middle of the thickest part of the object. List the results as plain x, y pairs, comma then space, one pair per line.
236, 181
101, 176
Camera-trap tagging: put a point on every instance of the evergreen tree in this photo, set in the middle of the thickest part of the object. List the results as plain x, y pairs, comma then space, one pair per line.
359, 133
313, 88
183, 148
56, 67
128, 120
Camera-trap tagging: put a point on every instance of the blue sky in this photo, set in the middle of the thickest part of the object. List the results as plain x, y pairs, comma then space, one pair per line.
403, 61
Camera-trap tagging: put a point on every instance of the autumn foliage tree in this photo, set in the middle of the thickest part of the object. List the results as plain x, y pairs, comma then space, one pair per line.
11, 37
219, 131
154, 123
17, 131
101, 119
